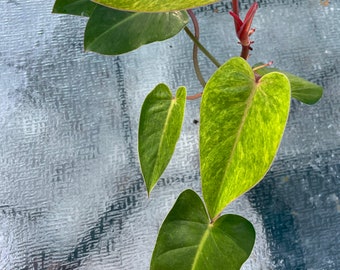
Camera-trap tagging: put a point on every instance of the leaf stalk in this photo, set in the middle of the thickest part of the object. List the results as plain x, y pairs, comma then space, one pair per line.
201, 47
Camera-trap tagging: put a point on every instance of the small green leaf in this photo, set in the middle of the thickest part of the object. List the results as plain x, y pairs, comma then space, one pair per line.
113, 32
159, 129
153, 5
302, 90
242, 122
188, 241
74, 7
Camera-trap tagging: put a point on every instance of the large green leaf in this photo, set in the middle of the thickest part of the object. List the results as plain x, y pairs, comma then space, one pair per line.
74, 7
113, 32
188, 240
153, 5
303, 90
159, 129
242, 122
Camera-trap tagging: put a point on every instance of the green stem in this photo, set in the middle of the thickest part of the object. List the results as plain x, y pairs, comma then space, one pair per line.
201, 47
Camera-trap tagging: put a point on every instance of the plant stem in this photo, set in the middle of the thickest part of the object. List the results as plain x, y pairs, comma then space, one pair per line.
263, 66
195, 48
245, 49
197, 44
201, 47
193, 97
245, 52
235, 7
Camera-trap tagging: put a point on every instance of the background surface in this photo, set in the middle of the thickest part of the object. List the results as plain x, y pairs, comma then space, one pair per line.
71, 192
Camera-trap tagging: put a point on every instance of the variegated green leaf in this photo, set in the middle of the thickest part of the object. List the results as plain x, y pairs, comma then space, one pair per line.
159, 129
242, 123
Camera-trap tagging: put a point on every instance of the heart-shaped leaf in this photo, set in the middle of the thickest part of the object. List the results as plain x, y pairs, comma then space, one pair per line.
113, 32
159, 129
74, 7
153, 5
188, 240
242, 122
302, 90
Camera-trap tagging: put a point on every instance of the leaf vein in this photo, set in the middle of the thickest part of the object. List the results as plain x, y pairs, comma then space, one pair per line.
238, 136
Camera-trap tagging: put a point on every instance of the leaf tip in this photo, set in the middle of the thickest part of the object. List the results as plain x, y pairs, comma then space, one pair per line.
149, 188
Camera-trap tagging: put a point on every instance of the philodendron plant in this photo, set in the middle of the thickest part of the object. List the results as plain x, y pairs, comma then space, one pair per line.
243, 115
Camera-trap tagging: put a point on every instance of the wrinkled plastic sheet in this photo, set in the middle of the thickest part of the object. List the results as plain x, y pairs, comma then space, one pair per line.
71, 191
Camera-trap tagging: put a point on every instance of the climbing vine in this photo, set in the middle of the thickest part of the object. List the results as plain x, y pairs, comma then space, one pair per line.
243, 114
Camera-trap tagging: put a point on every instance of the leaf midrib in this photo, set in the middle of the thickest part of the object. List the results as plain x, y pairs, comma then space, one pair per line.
238, 136
165, 126
204, 239
201, 244
200, 247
